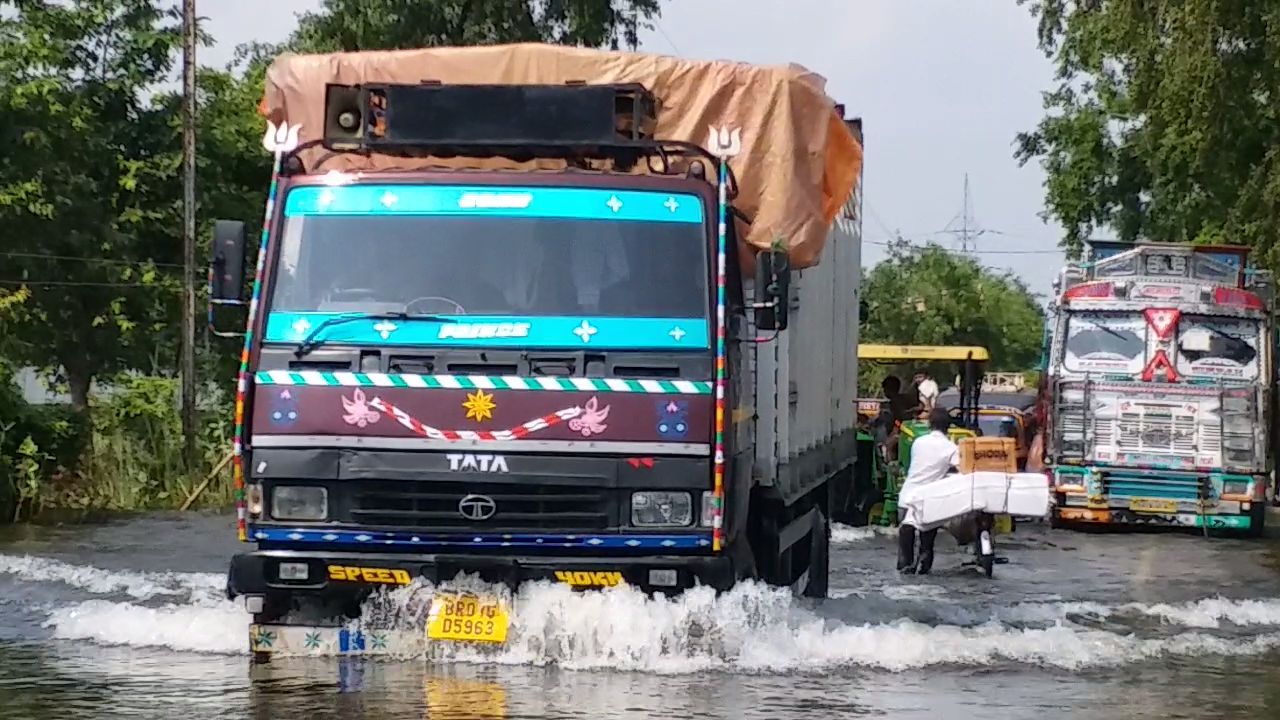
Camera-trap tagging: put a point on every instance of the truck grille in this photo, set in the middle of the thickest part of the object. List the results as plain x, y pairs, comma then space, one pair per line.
1166, 488
434, 505
1156, 432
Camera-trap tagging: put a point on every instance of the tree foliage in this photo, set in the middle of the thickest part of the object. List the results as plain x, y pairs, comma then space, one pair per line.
930, 296
91, 199
397, 24
1164, 124
84, 183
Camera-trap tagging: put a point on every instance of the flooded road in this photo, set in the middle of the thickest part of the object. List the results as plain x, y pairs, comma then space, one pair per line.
128, 620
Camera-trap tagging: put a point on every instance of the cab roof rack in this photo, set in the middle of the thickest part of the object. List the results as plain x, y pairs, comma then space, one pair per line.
573, 122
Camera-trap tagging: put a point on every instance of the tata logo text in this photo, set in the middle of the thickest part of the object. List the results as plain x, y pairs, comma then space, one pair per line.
479, 331
460, 462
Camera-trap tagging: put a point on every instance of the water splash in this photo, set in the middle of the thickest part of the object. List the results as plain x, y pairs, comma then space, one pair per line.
752, 628
138, 585
846, 534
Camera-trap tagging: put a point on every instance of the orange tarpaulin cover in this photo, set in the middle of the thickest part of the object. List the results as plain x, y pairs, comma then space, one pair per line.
798, 162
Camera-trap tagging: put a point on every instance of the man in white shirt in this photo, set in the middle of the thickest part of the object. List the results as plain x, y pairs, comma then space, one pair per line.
928, 390
932, 457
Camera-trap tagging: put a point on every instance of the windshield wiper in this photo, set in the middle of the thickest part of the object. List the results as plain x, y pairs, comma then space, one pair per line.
1223, 334
1110, 331
313, 339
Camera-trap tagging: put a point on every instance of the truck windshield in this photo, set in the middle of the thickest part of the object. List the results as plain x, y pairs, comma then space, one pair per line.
1106, 342
1218, 347
998, 426
569, 259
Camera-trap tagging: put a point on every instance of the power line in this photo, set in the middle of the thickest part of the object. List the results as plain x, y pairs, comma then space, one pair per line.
75, 258
976, 252
664, 34
78, 283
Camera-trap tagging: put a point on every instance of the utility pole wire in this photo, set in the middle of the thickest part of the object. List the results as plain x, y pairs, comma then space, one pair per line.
189, 232
92, 260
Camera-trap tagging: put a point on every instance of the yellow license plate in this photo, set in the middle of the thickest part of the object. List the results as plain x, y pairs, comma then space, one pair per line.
468, 618
1003, 524
1147, 505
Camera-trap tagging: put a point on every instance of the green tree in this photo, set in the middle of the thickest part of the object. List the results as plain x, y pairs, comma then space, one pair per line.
397, 24
930, 296
84, 186
1163, 124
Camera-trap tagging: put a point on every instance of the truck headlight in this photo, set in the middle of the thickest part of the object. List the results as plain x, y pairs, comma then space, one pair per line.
299, 502
661, 509
1236, 487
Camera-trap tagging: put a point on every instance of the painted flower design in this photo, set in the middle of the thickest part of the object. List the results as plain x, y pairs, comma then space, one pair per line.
358, 411
591, 420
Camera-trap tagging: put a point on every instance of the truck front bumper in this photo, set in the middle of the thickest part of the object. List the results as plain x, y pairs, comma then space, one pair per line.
257, 576
350, 573
1221, 515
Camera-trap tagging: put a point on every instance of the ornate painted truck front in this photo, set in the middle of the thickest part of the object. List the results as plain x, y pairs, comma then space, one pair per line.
503, 330
1160, 379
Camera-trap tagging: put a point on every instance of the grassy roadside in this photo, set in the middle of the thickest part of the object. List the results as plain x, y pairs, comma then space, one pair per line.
126, 455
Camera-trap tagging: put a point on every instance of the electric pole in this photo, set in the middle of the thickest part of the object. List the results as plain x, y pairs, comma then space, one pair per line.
963, 226
189, 233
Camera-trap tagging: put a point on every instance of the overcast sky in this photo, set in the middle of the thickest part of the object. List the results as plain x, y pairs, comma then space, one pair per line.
943, 86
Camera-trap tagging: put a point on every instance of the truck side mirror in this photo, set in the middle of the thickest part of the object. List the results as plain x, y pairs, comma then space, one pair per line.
773, 290
228, 261
864, 311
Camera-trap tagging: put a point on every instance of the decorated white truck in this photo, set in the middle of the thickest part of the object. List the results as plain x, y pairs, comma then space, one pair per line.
1160, 388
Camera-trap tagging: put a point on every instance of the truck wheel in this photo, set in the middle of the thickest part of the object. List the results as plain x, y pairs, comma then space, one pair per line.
843, 497
762, 536
819, 558
1055, 520
1257, 520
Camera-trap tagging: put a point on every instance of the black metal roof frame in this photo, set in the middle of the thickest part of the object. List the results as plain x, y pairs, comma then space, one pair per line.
568, 151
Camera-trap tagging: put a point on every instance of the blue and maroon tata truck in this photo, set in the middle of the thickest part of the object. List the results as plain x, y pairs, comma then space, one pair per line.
513, 339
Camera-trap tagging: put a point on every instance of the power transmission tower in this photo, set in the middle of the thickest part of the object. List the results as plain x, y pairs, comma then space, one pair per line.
189, 232
964, 226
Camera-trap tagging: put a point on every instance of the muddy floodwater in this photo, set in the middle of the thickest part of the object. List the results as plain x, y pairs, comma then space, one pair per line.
127, 619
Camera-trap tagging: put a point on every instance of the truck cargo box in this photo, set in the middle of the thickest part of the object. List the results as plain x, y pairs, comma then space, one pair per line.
797, 162
807, 379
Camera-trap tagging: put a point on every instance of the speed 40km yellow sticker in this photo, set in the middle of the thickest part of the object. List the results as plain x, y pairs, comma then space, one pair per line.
375, 576
584, 578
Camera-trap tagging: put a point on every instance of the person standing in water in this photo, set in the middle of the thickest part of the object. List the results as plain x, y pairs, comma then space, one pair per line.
932, 457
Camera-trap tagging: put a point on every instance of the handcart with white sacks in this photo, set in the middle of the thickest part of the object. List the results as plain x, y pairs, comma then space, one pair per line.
966, 504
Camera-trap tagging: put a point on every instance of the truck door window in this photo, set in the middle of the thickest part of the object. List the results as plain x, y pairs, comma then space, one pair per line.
1218, 347
1106, 342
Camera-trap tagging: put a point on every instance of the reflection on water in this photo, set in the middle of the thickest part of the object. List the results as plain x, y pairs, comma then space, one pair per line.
93, 682
128, 620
